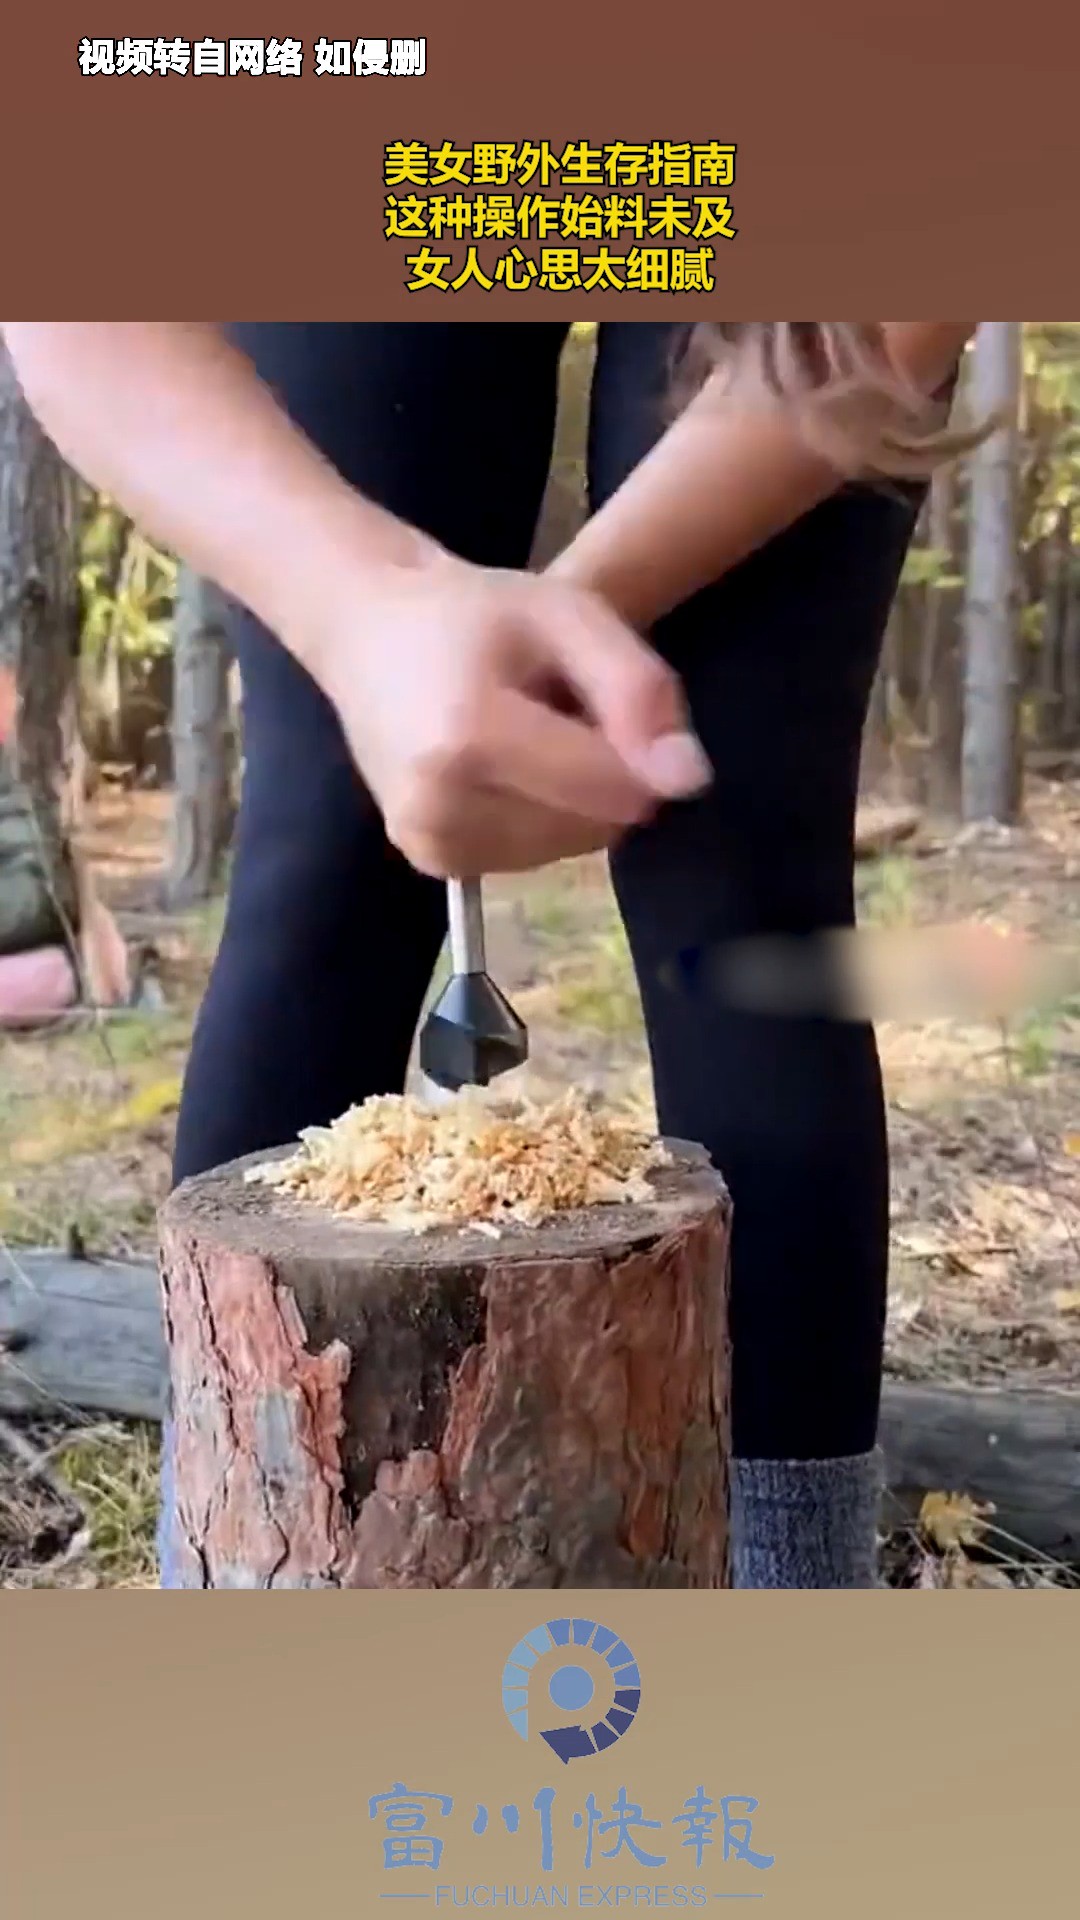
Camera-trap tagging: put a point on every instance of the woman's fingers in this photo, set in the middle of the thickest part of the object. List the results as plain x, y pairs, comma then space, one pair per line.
634, 696
495, 832
462, 701
560, 761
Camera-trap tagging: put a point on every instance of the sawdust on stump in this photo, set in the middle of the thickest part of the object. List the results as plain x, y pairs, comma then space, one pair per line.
475, 1161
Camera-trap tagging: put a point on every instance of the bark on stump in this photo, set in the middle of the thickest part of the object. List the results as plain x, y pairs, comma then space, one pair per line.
354, 1407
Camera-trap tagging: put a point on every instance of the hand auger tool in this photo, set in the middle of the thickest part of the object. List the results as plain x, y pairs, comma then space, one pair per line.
472, 1033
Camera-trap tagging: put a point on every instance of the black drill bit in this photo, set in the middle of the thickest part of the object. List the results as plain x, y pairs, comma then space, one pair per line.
472, 1033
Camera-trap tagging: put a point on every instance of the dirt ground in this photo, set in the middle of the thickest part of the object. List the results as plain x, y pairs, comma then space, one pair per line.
984, 1126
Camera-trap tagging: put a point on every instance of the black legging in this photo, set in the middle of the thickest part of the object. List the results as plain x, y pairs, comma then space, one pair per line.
330, 937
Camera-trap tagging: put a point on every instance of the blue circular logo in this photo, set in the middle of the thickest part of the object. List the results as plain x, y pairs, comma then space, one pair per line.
582, 1670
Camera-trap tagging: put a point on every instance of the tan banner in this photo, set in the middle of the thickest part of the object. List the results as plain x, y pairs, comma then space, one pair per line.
812, 1754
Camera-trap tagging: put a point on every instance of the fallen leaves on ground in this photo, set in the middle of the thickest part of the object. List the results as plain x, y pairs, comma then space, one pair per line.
951, 1520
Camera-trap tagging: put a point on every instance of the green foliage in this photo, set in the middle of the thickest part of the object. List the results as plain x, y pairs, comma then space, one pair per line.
601, 992
550, 913
930, 567
1051, 421
113, 1473
887, 892
128, 587
1031, 1047
1035, 1039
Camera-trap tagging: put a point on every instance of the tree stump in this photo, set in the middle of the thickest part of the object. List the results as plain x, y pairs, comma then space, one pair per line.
359, 1407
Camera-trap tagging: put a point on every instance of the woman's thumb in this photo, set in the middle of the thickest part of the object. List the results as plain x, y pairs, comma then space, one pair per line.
674, 764
635, 699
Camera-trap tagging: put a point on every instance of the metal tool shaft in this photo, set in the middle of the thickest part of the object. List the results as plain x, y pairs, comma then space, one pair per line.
472, 1033
465, 909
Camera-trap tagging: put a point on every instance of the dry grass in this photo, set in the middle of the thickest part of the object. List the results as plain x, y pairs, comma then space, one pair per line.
78, 1505
954, 1545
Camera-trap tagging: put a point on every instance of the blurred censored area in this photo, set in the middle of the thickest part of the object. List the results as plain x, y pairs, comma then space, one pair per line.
971, 971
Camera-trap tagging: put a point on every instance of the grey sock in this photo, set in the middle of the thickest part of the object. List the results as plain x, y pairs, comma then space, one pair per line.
806, 1523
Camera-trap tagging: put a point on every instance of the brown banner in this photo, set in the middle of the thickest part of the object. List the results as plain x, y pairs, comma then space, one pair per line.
876, 157
811, 1754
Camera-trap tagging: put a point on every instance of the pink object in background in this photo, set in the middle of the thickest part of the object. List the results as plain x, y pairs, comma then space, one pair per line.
103, 953
35, 986
9, 705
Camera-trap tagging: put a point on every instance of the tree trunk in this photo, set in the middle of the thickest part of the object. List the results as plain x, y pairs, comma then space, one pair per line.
876, 758
905, 642
991, 757
360, 1408
1055, 625
39, 627
942, 657
201, 734
878, 765
1070, 660
564, 505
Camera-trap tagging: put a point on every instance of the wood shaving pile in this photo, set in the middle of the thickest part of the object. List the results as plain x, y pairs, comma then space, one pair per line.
474, 1161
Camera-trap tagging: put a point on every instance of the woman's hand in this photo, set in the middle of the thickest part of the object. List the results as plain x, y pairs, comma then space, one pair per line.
501, 720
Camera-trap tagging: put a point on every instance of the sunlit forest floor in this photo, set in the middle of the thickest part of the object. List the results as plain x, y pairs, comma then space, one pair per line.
984, 1126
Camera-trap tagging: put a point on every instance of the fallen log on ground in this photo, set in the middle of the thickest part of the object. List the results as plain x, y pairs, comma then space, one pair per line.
80, 1333
90, 1336
1020, 1451
361, 1407
880, 828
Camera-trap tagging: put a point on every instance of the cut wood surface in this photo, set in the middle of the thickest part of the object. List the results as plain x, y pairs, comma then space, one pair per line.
360, 1407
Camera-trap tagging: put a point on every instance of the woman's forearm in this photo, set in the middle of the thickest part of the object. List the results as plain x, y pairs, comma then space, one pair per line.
726, 476
732, 471
170, 421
